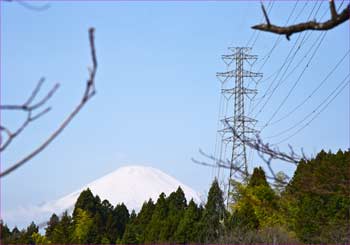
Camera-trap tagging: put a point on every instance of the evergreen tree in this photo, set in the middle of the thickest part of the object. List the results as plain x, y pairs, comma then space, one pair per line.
51, 225
39, 239
5, 233
133, 216
16, 236
82, 227
187, 230
318, 195
256, 204
258, 178
158, 220
116, 222
63, 230
86, 201
130, 234
213, 215
136, 230
176, 203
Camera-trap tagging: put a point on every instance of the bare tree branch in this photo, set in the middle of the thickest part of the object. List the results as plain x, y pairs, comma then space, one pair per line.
30, 6
89, 92
265, 151
335, 20
26, 106
11, 136
265, 14
226, 164
29, 109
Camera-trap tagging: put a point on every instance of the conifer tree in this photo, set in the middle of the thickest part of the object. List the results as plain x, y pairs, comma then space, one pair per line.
63, 231
187, 230
213, 215
51, 225
121, 216
5, 233
176, 203
31, 229
158, 220
255, 203
82, 227
136, 230
319, 195
86, 201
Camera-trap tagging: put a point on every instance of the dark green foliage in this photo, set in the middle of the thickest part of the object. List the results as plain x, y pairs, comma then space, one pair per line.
5, 233
135, 232
86, 201
63, 231
51, 226
245, 218
313, 208
320, 190
24, 236
176, 203
258, 178
121, 218
27, 237
158, 220
211, 224
188, 228
131, 234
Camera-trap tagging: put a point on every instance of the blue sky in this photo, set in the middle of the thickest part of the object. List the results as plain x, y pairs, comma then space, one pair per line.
157, 98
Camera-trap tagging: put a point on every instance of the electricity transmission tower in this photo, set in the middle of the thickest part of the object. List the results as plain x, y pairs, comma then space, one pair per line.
233, 116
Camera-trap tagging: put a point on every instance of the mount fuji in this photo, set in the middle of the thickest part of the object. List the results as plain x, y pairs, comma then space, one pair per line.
132, 185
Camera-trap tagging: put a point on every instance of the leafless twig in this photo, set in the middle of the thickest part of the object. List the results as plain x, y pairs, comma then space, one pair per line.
335, 20
225, 164
265, 151
30, 6
29, 108
89, 92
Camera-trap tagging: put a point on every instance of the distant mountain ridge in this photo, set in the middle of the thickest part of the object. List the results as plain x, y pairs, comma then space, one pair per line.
132, 185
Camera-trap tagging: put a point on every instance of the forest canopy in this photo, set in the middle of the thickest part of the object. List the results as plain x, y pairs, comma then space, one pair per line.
313, 208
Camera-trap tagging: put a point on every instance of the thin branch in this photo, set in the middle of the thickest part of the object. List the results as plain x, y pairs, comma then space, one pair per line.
265, 14
265, 152
26, 105
29, 109
336, 19
89, 92
35, 92
334, 13
29, 119
226, 164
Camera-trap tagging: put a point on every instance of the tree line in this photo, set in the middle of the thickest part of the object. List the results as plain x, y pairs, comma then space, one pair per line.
313, 208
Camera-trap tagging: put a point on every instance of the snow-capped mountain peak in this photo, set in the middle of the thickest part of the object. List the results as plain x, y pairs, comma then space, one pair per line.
132, 185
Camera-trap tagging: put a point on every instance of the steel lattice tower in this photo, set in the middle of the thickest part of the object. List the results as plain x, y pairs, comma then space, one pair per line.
234, 90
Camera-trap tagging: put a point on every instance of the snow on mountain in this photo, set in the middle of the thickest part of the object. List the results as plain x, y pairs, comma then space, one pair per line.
132, 185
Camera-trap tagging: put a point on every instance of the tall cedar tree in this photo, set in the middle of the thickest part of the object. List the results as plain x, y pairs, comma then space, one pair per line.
214, 213
320, 192
51, 226
158, 220
176, 203
188, 229
135, 232
5, 233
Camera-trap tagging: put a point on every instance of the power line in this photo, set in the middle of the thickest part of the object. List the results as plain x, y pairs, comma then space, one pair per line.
278, 40
269, 8
283, 79
339, 88
295, 84
297, 81
287, 59
313, 92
